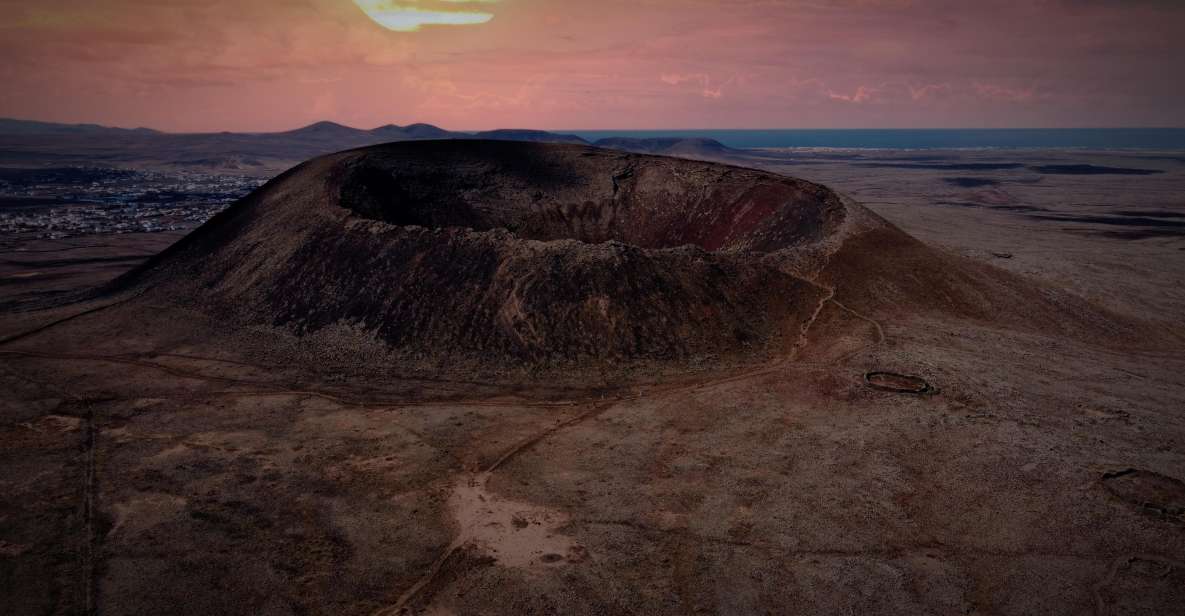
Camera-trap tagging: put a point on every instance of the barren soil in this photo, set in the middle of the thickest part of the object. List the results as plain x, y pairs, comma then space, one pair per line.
157, 460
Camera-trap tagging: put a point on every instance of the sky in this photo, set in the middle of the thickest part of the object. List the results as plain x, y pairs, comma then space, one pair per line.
262, 65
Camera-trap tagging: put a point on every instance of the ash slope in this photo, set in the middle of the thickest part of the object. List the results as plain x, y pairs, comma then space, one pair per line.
496, 251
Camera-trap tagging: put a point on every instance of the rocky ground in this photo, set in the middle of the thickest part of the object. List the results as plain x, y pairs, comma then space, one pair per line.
152, 463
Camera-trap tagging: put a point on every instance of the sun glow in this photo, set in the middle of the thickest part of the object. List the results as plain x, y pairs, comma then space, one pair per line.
405, 16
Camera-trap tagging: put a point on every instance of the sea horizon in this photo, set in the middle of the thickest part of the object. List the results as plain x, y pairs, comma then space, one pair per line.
918, 138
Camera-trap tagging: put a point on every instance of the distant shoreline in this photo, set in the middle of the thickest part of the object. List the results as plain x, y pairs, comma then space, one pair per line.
1142, 138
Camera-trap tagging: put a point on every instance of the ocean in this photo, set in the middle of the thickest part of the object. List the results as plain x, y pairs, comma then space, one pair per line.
909, 139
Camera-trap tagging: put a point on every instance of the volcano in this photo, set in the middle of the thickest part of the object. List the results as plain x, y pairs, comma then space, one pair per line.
510, 251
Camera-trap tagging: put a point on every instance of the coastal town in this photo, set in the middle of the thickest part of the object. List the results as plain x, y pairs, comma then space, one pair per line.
65, 202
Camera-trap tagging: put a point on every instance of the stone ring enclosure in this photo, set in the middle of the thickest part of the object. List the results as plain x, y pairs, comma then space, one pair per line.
487, 251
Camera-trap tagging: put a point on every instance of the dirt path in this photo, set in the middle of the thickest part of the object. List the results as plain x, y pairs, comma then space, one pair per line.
55, 323
471, 489
880, 331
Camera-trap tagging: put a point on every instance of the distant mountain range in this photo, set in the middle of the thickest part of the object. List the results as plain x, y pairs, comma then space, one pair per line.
26, 143
27, 127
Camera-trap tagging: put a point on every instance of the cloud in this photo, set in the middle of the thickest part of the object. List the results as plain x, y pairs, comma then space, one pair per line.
703, 80
929, 91
1005, 94
862, 94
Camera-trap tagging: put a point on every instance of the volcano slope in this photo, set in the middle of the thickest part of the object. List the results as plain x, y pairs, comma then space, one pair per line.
495, 377
477, 252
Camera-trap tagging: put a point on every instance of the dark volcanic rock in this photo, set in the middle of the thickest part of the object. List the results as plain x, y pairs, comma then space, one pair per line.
1092, 170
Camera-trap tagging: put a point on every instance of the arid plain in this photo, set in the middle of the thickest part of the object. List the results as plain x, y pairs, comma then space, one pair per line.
163, 454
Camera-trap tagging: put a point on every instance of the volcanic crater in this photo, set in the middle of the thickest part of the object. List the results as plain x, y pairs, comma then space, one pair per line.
545, 194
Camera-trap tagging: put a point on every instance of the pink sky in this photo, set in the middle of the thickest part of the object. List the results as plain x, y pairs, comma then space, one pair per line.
207, 65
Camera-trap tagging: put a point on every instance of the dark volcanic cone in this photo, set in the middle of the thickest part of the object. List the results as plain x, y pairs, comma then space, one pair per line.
541, 252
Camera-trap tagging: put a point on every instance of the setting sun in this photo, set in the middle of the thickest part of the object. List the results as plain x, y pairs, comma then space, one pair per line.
401, 17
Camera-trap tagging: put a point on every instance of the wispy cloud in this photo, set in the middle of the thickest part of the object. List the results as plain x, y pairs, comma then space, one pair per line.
1002, 93
863, 94
703, 80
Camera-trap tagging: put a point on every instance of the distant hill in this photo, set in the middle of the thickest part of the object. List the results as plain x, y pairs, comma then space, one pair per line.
27, 143
537, 136
332, 131
325, 130
419, 131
